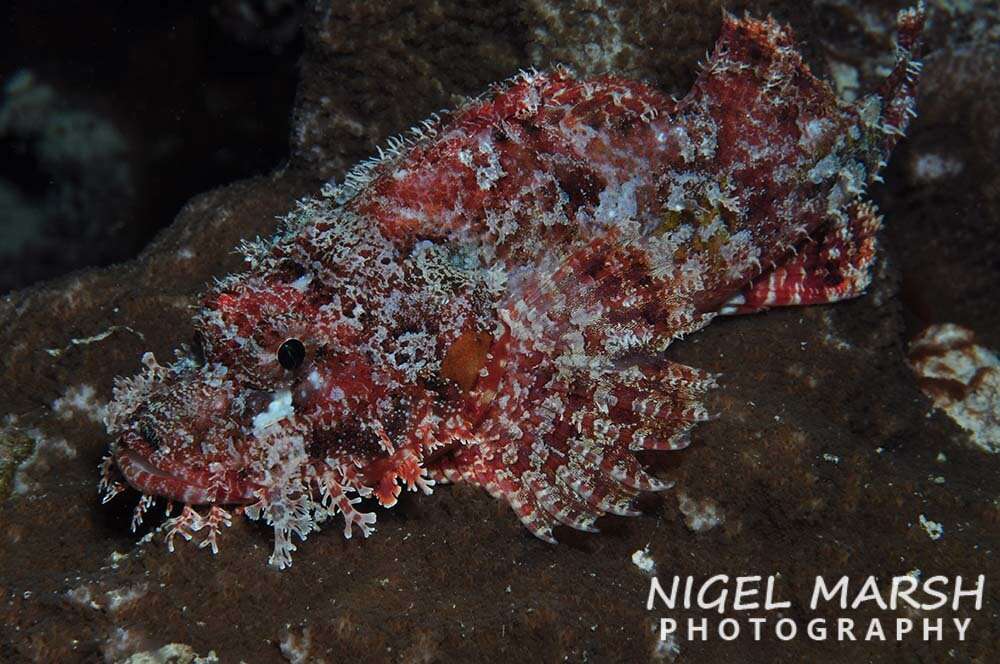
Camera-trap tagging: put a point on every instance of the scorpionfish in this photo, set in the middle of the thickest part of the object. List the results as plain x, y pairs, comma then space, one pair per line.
488, 299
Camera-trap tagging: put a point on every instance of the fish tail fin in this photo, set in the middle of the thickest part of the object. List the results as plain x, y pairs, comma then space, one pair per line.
886, 114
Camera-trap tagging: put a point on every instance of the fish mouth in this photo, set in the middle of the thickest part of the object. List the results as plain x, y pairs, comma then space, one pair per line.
190, 486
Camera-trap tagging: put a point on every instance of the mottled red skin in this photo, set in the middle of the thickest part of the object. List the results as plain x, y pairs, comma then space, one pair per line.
619, 220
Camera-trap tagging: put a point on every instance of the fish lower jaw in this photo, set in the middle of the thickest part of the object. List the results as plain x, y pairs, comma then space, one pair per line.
193, 488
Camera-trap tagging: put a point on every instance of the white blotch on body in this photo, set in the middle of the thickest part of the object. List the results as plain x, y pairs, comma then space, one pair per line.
280, 408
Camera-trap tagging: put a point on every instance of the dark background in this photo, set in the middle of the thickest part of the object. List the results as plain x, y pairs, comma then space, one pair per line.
198, 92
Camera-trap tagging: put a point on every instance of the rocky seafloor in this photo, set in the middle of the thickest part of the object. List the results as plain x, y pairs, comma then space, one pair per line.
826, 458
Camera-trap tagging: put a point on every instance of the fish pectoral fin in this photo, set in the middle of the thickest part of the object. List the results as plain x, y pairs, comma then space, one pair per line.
562, 451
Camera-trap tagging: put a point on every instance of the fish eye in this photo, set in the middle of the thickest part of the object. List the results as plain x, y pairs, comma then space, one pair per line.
291, 354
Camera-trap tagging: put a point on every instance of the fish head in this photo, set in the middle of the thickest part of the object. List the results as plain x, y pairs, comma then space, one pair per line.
277, 386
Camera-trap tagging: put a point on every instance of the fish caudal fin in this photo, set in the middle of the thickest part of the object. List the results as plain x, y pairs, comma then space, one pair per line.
884, 115
835, 263
899, 90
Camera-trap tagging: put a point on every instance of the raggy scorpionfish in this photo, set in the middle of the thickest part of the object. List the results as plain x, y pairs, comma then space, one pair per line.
488, 300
